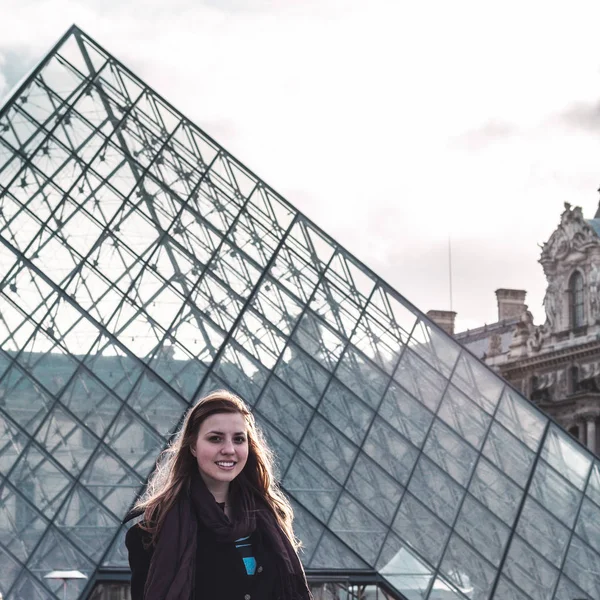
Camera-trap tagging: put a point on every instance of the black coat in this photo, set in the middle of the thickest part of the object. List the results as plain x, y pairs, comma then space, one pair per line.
220, 571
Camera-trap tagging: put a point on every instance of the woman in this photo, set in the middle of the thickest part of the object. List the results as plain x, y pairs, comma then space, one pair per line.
215, 526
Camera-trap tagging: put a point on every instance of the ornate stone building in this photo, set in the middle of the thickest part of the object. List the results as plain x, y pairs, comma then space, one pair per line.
557, 364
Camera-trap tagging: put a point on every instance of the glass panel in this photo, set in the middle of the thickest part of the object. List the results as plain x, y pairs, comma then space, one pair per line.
111, 482
308, 484
442, 590
358, 528
308, 530
134, 442
10, 571
403, 570
479, 383
118, 555
390, 450
376, 342
305, 376
566, 457
319, 341
66, 441
12, 444
438, 349
495, 491
362, 377
556, 494
521, 418
90, 402
45, 484
467, 570
422, 381
277, 305
21, 526
408, 416
567, 590
506, 452
332, 553
23, 400
588, 524
508, 591
464, 416
593, 488
259, 338
55, 549
421, 529
329, 448
241, 372
28, 587
436, 490
582, 567
545, 533
118, 371
86, 523
333, 306
486, 533
280, 406
279, 444
530, 571
450, 452
342, 408
374, 488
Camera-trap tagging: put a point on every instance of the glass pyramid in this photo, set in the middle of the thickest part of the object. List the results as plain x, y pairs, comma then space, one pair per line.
141, 265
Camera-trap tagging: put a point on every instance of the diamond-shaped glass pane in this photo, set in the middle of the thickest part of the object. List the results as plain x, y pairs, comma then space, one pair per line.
310, 486
421, 529
529, 571
482, 530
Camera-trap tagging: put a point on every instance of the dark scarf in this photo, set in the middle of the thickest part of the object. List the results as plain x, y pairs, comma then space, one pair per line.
173, 563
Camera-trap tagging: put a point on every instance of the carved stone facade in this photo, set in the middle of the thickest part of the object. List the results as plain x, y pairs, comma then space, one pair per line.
557, 363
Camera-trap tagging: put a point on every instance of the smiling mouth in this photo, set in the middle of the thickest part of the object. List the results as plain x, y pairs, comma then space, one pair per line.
225, 464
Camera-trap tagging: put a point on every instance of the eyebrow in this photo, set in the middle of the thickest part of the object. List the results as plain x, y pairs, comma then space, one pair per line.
221, 433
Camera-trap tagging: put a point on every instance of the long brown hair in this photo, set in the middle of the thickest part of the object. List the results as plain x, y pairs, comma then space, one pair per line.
176, 464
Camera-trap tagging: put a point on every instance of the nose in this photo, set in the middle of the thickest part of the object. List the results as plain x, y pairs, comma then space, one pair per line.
228, 447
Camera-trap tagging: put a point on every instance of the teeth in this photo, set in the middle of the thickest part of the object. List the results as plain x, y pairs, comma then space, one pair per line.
226, 464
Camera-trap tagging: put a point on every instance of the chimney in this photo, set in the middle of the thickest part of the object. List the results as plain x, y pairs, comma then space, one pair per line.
511, 303
443, 318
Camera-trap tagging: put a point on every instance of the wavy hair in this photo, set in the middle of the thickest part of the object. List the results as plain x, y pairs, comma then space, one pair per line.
176, 464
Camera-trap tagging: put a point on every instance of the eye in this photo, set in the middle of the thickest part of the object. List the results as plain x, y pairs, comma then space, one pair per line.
215, 439
239, 439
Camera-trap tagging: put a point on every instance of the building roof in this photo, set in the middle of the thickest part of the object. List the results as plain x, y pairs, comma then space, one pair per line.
478, 340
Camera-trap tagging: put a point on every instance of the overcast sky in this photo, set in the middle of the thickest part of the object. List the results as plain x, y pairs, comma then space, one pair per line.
393, 124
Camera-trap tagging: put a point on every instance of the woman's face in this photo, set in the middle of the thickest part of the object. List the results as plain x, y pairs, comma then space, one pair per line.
221, 449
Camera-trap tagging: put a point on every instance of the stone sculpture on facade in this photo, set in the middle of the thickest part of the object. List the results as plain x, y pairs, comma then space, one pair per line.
495, 345
552, 305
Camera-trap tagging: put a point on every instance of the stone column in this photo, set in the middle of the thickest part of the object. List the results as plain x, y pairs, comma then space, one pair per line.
591, 434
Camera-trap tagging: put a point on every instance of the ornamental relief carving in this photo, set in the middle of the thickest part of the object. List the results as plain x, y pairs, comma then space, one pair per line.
572, 234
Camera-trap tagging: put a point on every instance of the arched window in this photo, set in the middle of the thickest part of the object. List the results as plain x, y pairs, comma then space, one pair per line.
577, 300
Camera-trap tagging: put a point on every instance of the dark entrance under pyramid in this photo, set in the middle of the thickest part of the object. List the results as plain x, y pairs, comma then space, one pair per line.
141, 265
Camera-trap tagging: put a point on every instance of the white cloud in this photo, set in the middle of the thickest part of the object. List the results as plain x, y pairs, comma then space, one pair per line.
392, 124
3, 82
